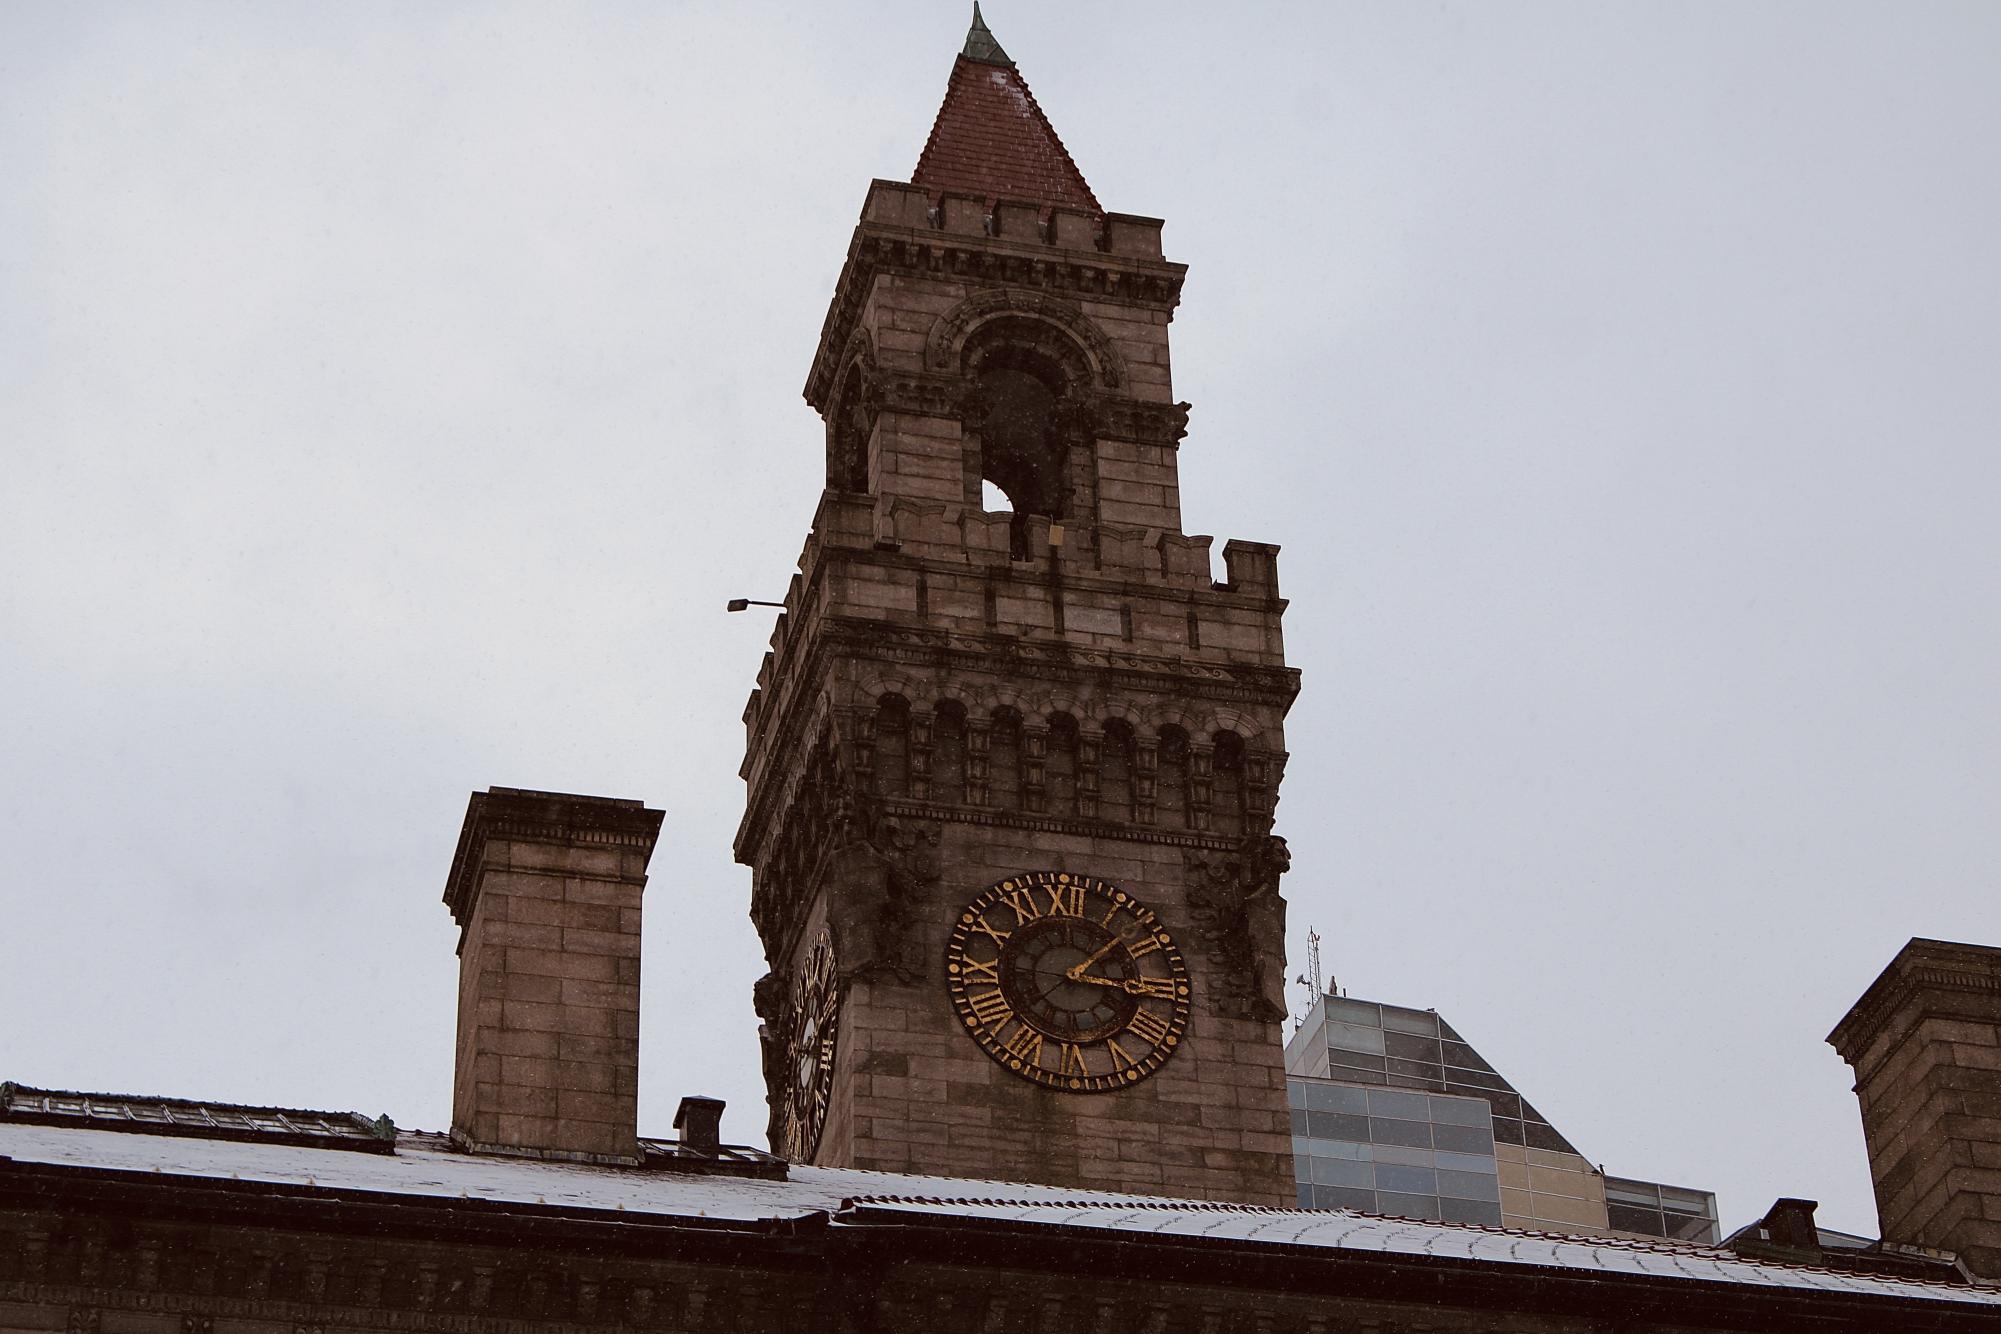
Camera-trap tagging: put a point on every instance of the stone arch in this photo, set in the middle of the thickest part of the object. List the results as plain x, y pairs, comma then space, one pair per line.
945, 345
850, 416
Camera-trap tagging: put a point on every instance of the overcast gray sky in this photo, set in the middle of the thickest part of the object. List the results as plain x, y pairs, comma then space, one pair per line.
391, 395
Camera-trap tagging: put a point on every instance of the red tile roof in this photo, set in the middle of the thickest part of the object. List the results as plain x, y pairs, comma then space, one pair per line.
992, 139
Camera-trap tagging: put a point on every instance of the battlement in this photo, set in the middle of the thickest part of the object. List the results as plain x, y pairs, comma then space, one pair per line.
901, 204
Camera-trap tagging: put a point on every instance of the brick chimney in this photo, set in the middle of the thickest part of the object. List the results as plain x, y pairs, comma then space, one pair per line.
1925, 1042
545, 888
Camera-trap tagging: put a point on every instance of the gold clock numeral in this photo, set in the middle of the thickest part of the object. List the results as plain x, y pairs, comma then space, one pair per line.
1066, 900
1163, 987
1027, 1044
1146, 943
1120, 1061
1150, 1027
1023, 902
991, 1008
1073, 1060
975, 971
979, 923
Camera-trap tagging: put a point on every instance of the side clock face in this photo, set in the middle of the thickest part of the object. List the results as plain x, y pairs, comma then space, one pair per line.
809, 1051
1068, 981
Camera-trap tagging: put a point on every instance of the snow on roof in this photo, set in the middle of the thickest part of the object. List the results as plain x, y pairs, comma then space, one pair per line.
425, 1165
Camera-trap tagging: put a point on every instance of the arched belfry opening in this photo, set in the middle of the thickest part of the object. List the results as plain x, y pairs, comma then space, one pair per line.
1028, 433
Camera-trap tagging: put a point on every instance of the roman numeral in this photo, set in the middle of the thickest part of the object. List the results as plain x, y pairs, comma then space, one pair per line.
975, 971
1023, 903
1027, 1044
979, 923
1066, 900
1073, 1060
1149, 1026
991, 1008
1120, 1061
1146, 943
1162, 987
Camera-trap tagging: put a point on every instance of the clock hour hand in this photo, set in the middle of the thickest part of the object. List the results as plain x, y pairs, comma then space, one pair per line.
1132, 986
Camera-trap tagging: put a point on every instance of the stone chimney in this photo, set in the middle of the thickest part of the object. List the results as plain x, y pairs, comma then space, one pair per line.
545, 888
1925, 1042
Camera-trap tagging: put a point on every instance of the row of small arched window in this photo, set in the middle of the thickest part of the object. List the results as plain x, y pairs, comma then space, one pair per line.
1165, 778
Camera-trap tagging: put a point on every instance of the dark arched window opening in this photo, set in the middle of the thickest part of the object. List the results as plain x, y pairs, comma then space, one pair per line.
948, 753
850, 420
892, 746
1059, 774
1115, 772
1004, 761
1022, 373
1226, 811
1170, 801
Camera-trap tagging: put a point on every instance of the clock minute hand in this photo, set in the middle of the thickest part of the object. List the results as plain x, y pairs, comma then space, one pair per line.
1077, 974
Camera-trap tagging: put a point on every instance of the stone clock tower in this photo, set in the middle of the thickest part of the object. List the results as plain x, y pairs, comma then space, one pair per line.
1012, 763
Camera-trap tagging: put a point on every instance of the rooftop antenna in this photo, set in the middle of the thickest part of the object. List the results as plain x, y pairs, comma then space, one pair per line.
1310, 978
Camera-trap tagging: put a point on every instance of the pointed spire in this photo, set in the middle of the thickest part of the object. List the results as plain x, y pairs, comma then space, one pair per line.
980, 43
992, 139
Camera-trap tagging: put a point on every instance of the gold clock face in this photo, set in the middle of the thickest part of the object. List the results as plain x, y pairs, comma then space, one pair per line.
809, 1051
1068, 981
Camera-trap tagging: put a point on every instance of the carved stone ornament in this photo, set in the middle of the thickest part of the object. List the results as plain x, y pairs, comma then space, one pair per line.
1237, 907
948, 336
771, 998
875, 882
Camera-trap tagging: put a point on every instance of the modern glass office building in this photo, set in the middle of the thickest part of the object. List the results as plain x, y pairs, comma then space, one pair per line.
1394, 1112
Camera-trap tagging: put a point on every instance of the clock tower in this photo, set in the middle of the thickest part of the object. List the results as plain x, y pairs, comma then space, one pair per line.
1013, 755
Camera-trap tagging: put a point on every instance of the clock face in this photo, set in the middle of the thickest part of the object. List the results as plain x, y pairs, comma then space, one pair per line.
1068, 981
809, 1051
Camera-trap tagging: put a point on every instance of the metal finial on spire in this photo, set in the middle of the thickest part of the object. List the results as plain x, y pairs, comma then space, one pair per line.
980, 43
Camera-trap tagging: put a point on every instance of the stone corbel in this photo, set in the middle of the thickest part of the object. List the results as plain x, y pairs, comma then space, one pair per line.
1235, 901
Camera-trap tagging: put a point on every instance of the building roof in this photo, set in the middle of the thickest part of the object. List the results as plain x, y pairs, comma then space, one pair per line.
426, 1166
991, 138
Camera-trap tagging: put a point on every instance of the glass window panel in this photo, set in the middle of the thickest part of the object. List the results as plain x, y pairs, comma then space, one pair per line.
1469, 1211
1474, 1079
1342, 1172
1416, 1134
1413, 1048
1409, 1180
1503, 1102
1506, 1131
1343, 1064
1355, 1037
1337, 1098
1682, 1227
1305, 1195
1354, 1012
1302, 1162
1463, 1056
1448, 1110
1463, 1162
1402, 1153
1417, 1074
1465, 1139
1340, 1148
1337, 1125
1537, 1135
1299, 1123
1404, 1106
1688, 1201
1641, 1193
1295, 1093
1407, 1206
1400, 1020
1343, 1197
1627, 1218
1468, 1185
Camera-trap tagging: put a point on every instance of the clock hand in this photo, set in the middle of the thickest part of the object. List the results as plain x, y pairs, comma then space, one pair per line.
1132, 986
1077, 974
